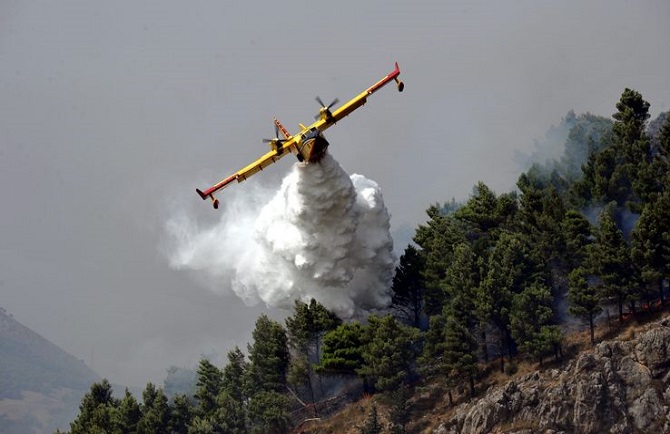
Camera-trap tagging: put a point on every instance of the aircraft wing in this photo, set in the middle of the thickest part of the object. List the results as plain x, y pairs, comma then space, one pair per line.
346, 109
242, 174
293, 143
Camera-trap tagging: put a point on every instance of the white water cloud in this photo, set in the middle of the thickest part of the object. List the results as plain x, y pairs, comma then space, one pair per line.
324, 235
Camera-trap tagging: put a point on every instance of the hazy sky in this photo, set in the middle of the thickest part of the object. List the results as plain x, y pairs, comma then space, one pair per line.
112, 113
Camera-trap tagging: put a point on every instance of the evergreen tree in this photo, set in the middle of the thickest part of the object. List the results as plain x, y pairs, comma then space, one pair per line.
461, 285
462, 279
305, 333
155, 411
509, 269
584, 298
409, 287
268, 413
268, 356
208, 387
230, 416
530, 321
202, 425
437, 239
97, 412
307, 326
540, 215
343, 349
181, 414
232, 381
650, 246
578, 235
431, 361
128, 414
631, 177
460, 349
485, 212
606, 178
389, 353
610, 257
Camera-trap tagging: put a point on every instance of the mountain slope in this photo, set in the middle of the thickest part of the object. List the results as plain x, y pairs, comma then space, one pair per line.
40, 384
620, 386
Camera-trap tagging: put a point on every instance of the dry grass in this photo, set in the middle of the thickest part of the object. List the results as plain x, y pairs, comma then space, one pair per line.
349, 420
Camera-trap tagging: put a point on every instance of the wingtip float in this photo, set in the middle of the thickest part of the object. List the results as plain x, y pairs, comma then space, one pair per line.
309, 145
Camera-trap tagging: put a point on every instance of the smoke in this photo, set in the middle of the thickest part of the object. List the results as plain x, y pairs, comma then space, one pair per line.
324, 235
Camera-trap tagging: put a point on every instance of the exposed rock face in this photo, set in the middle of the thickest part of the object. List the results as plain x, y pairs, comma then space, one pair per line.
618, 387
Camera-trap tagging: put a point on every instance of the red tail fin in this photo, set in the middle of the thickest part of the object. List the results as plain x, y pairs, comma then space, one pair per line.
281, 128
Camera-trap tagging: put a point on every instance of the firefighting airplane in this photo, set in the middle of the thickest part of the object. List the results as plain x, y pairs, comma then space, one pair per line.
309, 145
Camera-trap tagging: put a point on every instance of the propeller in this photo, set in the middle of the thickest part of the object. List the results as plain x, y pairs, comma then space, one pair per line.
276, 141
325, 108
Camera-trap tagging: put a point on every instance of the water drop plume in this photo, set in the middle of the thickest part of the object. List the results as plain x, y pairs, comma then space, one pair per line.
323, 235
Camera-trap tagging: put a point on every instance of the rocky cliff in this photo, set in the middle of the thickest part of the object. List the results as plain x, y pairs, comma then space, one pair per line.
620, 386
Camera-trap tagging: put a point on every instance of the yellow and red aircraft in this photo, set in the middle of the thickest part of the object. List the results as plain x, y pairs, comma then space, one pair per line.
309, 144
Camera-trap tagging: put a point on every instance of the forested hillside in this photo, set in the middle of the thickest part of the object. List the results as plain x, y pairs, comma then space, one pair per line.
488, 283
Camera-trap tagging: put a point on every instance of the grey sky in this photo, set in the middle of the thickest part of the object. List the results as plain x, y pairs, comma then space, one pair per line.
112, 113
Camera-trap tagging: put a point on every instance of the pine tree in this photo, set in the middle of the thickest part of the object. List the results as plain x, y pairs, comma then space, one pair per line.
268, 357
409, 287
437, 240
208, 387
155, 411
431, 361
578, 235
610, 257
540, 214
97, 411
181, 414
230, 416
305, 333
650, 246
128, 414
232, 379
268, 413
633, 172
460, 350
461, 284
307, 326
584, 298
509, 269
343, 349
485, 211
530, 321
389, 353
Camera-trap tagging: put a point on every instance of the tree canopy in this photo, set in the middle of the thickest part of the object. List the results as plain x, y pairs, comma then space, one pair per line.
483, 277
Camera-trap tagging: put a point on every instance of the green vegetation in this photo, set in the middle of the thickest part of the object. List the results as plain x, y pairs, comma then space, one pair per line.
483, 280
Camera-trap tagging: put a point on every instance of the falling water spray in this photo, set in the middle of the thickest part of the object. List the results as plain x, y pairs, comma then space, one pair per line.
324, 235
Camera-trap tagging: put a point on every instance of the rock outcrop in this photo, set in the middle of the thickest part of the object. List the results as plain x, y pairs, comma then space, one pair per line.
618, 387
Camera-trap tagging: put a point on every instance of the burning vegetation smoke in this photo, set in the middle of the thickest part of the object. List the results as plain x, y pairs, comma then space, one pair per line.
324, 235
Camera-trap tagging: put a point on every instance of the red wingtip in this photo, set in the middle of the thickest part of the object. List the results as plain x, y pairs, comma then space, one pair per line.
202, 195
